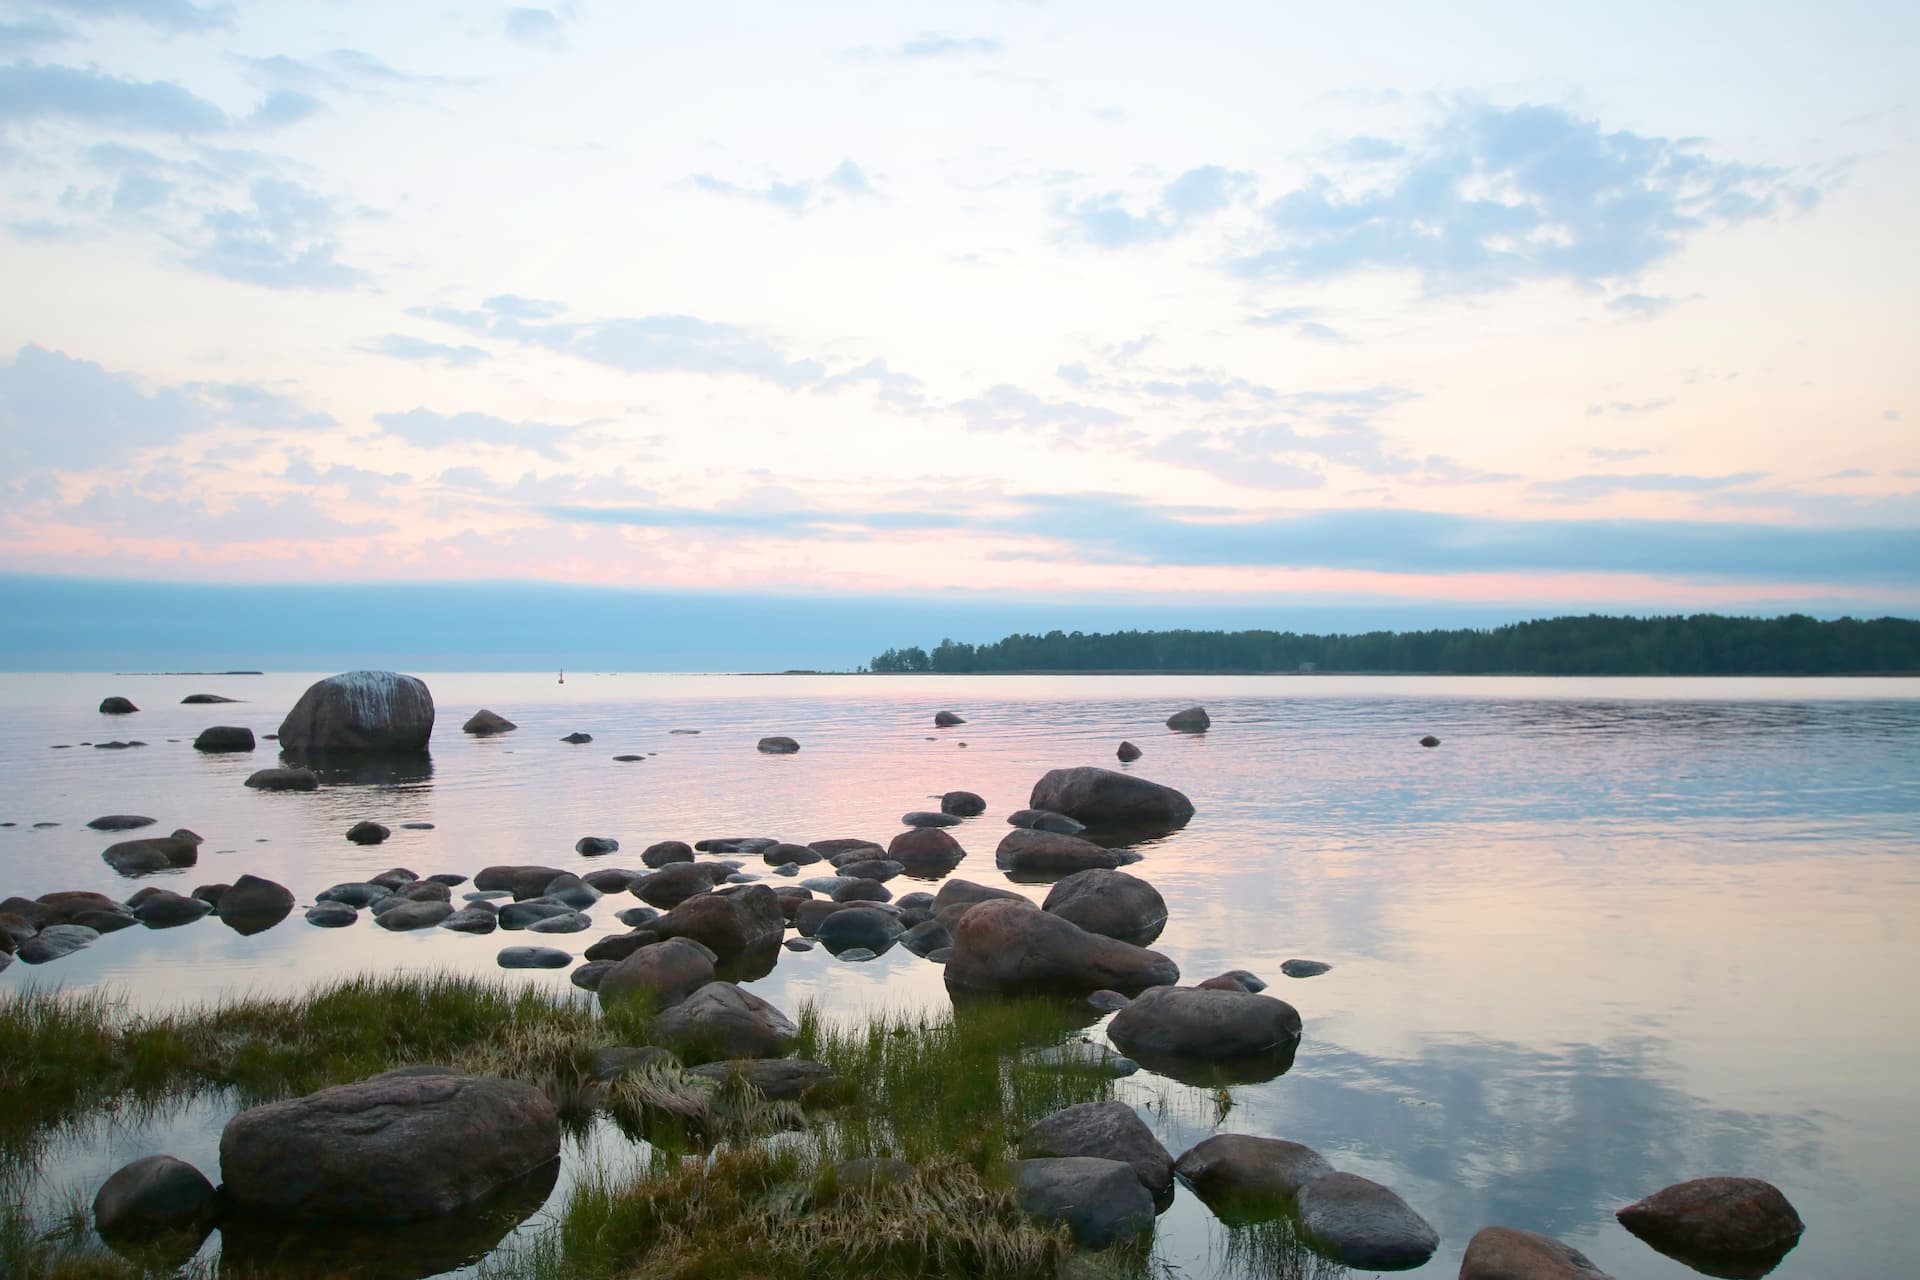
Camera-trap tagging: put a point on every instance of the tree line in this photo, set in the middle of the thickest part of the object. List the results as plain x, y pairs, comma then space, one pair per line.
1702, 644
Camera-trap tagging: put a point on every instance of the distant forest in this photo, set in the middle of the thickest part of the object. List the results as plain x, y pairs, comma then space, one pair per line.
1701, 645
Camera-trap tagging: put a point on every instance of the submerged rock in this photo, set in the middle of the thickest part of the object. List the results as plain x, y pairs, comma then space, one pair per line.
1431, 741
284, 779
946, 719
1304, 968
1505, 1253
924, 849
578, 739
532, 958
331, 915
1246, 1176
165, 909
360, 711
484, 723
927, 818
410, 914
1191, 1022
848, 927
154, 853
780, 1079
594, 846
1109, 1130
963, 804
1045, 820
1127, 753
1104, 798
115, 705
367, 832
665, 852
120, 822
224, 737
1035, 852
55, 942
1363, 1224
397, 1147
204, 699
1192, 720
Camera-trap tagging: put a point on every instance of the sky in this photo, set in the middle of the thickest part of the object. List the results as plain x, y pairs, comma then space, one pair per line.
1259, 310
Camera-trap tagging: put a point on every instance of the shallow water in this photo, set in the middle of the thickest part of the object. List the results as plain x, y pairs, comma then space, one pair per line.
1610, 935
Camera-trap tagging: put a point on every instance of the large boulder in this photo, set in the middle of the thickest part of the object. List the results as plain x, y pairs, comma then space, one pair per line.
1105, 798
1111, 903
1108, 1130
153, 1194
1189, 1022
722, 1021
398, 1147
1045, 820
1241, 1174
963, 804
360, 711
1363, 1224
153, 853
732, 923
1192, 720
164, 909
925, 849
665, 852
224, 737
1013, 948
678, 882
56, 941
1716, 1218
504, 876
254, 903
1044, 853
858, 926
484, 723
1101, 1201
1504, 1253
664, 972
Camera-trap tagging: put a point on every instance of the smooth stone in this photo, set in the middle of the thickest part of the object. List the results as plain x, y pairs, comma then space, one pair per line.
779, 1079
788, 870
723, 1020
395, 878
254, 903
777, 745
360, 711
532, 958
1716, 1218
473, 919
152, 1195
148, 854
921, 849
857, 927
1045, 820
331, 915
919, 900
798, 944
795, 855
521, 915
664, 973
926, 818
618, 946
593, 846
224, 737
1244, 1175
368, 832
736, 844
1429, 741
665, 852
1105, 798
678, 882
611, 879
164, 909
1106, 1130
739, 921
572, 891
354, 894
451, 879
414, 915
119, 822
857, 954
294, 779
1014, 948
1107, 1001
1111, 903
578, 739
1101, 1201
505, 876
926, 937
634, 917
571, 922
1505, 1253
963, 804
1304, 968
1189, 1022
942, 956
116, 746
1363, 1224
1192, 720
628, 759
862, 891
589, 975
416, 826
847, 849
484, 723
117, 706
946, 719
56, 941
1127, 753
204, 699
1035, 852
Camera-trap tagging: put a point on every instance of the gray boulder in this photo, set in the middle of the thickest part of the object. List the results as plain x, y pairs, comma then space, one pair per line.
164, 909
1111, 903
473, 918
523, 915
1304, 968
1363, 1224
1192, 720
664, 972
1013, 948
532, 958
791, 855
1505, 1253
56, 941
284, 779
153, 853
393, 1148
927, 937
777, 745
731, 924
1045, 820
921, 849
360, 711
1105, 798
963, 804
1242, 1175
503, 877
722, 1021
569, 921
678, 882
331, 915
484, 723
1189, 1022
410, 915
1043, 853
254, 903
666, 851
115, 705
1109, 1131
862, 891
1101, 1201
153, 1194
355, 893
224, 737
849, 927
594, 846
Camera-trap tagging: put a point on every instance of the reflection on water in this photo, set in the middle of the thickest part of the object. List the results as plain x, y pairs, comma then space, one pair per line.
1610, 935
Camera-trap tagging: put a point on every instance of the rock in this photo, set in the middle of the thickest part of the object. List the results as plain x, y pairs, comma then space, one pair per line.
354, 894
850, 927
1045, 820
571, 891
736, 844
872, 1173
1431, 741
360, 711
1244, 1176
331, 915
1504, 1253
966, 892
732, 924
1127, 753
568, 922
211, 894
667, 851
224, 737
1100, 1201
1104, 798
919, 900
101, 746
151, 1195
484, 723
394, 879
164, 909
393, 1148
863, 891
721, 1020
777, 746
808, 916
506, 876
1083, 1056
618, 946
284, 779
1192, 720
120, 822
153, 853
1032, 852
629, 759
1108, 1131
846, 849
664, 972
116, 706
798, 944
1012, 948
922, 849
532, 958
1711, 1219
946, 719
594, 846
253, 904
476, 918
634, 917
779, 1079
578, 739
791, 855
678, 882
1111, 903
366, 832
588, 976
881, 869
1188, 1022
612, 1063
204, 699
1363, 1224
1107, 1001
926, 937
611, 879
1304, 968
962, 804
927, 818
414, 915
56, 941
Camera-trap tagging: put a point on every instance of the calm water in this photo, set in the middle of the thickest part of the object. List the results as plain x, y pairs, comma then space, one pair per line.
1612, 934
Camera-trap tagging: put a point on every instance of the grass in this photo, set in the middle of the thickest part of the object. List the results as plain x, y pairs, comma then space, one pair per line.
730, 1183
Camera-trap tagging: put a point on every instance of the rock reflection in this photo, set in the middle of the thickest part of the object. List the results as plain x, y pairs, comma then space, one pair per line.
361, 769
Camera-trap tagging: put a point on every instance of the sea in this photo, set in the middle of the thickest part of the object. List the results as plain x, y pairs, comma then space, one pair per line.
1609, 935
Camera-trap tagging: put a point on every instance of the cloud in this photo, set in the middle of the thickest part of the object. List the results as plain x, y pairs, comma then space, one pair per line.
31, 33
796, 197
1642, 306
402, 346
283, 240
636, 344
536, 26
248, 518
340, 70
430, 430
1619, 455
930, 45
1849, 473
1493, 196
168, 15
1306, 322
1626, 407
1242, 458
1010, 408
359, 483
1104, 221
30, 91
900, 391
283, 107
1587, 488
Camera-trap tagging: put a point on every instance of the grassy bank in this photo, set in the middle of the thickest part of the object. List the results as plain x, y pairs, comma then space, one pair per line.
726, 1183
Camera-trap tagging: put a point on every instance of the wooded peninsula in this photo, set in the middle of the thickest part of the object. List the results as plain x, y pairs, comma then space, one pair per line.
1698, 645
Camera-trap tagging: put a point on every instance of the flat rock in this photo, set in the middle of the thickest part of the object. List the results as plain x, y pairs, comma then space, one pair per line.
1101, 1201
1035, 852
356, 893
284, 779
1045, 820
533, 958
777, 745
1505, 1253
56, 941
204, 699
1108, 1130
522, 915
791, 855
472, 919
1363, 1224
569, 922
1241, 1174
1304, 968
120, 822
506, 875
414, 915
165, 909
927, 818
